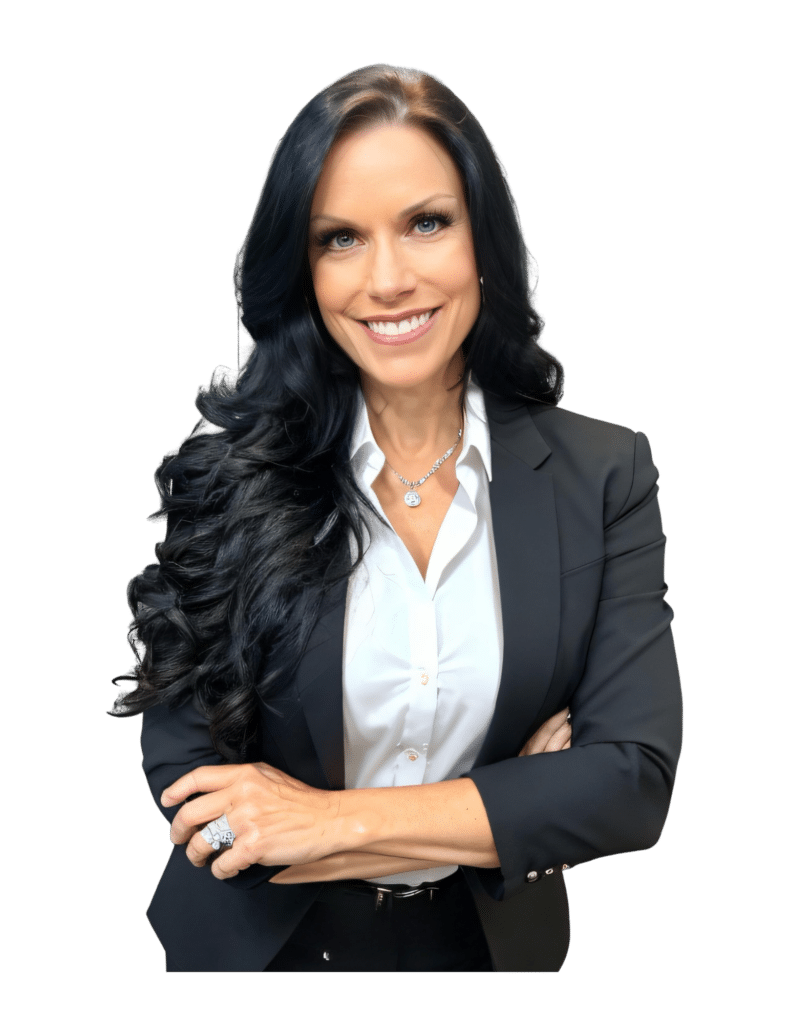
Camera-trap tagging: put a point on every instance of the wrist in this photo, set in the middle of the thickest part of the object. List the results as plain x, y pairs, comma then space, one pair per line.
357, 823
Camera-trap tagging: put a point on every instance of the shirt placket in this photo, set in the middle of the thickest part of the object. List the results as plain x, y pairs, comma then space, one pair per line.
414, 748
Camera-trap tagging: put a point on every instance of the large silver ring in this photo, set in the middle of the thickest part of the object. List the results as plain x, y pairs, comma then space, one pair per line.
218, 833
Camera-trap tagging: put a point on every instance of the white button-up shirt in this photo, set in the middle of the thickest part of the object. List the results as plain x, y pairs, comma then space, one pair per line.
422, 659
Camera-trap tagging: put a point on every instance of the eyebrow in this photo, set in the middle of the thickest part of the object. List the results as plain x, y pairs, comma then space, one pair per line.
403, 213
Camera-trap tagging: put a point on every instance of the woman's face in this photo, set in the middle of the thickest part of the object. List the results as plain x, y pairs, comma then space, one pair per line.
378, 251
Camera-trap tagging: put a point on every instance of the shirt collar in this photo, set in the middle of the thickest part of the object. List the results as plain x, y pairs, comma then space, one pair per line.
365, 450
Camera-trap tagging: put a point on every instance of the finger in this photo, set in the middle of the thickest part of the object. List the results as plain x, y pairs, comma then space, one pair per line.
566, 746
199, 849
196, 813
539, 738
205, 779
552, 724
538, 741
233, 860
559, 737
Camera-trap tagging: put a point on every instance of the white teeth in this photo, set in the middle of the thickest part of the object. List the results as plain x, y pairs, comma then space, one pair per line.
388, 327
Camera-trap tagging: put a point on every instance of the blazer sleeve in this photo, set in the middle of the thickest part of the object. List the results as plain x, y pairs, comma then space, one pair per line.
610, 791
174, 742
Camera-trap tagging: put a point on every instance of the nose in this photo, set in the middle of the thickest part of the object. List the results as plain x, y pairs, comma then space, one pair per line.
389, 272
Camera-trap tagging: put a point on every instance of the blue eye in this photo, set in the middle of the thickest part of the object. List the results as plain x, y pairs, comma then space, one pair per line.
425, 223
441, 220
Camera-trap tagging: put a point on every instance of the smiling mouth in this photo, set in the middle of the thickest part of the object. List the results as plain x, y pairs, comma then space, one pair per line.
392, 329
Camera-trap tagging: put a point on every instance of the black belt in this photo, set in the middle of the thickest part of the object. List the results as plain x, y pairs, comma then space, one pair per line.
341, 891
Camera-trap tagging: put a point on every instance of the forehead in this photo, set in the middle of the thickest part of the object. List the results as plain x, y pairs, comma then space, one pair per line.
384, 165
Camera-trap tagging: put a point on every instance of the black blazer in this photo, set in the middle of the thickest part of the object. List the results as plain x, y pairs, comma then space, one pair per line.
580, 557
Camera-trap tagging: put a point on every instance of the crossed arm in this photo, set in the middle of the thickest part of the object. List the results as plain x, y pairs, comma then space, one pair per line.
608, 795
327, 835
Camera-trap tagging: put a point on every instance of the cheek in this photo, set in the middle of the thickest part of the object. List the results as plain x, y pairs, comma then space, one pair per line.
331, 299
322, 288
457, 272
330, 286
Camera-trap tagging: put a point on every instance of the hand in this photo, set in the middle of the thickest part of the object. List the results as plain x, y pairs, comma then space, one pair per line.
554, 734
276, 818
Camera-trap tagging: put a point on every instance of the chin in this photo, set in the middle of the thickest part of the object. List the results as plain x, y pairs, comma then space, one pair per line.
415, 373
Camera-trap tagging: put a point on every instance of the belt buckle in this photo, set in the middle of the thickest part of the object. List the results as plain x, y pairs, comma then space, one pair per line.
413, 892
381, 890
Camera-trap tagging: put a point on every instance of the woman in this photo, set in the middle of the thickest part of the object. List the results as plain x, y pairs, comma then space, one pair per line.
390, 572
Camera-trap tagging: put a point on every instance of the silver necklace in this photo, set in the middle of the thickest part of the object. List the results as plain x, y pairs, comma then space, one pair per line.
412, 498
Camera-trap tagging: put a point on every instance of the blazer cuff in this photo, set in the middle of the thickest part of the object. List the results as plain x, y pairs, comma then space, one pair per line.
509, 879
570, 806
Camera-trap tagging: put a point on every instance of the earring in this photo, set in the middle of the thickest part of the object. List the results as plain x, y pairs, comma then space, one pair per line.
483, 298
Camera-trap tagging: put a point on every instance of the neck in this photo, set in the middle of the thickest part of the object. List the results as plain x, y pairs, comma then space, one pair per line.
415, 426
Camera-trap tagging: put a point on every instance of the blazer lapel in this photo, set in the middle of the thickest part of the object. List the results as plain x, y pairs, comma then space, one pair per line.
528, 563
319, 685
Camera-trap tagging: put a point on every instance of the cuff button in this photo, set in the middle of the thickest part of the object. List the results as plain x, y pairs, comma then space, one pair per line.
532, 876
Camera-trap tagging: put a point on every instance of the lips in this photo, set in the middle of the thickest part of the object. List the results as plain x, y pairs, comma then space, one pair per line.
401, 339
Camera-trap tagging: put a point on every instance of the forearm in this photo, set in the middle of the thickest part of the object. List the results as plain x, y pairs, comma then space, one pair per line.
441, 822
350, 864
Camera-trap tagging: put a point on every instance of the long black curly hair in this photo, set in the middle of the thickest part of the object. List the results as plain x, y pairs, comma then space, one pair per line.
259, 511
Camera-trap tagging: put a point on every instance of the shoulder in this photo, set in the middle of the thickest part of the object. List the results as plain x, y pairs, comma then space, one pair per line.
598, 455
543, 429
585, 436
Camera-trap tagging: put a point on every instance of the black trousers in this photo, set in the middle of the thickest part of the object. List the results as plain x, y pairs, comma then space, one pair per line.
348, 930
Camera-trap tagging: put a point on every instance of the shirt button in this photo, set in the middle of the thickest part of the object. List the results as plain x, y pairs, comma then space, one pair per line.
412, 754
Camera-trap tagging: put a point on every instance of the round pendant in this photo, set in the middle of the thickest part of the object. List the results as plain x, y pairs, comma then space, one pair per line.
412, 498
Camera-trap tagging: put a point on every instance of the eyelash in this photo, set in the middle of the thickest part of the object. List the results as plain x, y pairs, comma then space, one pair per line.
445, 219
